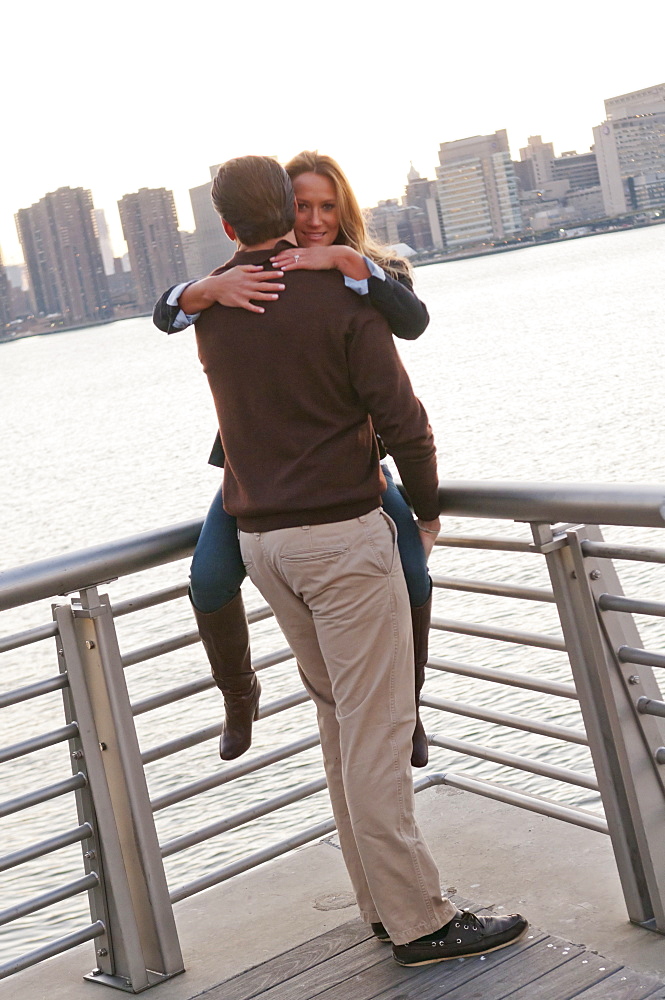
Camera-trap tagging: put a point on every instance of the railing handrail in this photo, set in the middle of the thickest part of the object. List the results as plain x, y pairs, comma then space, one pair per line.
579, 503
576, 503
74, 571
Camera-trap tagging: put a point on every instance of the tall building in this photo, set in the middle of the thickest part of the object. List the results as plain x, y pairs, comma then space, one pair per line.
538, 156
150, 227
62, 254
421, 193
477, 189
5, 298
630, 149
104, 238
579, 169
214, 246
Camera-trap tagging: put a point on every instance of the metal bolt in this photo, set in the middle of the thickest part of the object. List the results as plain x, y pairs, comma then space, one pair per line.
96, 972
660, 755
102, 951
102, 746
89, 855
77, 754
594, 574
61, 652
89, 644
633, 679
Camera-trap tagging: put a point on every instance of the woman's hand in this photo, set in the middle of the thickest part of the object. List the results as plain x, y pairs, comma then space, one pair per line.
342, 258
235, 287
429, 531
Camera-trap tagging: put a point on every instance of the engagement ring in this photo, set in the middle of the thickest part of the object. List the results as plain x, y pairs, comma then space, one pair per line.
296, 257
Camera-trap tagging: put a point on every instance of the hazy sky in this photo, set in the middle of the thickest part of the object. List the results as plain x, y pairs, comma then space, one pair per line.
118, 96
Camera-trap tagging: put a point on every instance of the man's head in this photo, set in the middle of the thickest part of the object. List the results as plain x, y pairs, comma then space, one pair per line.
254, 195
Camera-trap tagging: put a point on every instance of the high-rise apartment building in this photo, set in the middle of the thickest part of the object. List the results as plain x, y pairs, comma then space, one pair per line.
61, 251
579, 169
5, 298
150, 227
421, 193
630, 148
214, 246
477, 190
538, 157
104, 238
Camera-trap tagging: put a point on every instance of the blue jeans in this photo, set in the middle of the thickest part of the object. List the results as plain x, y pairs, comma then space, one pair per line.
218, 570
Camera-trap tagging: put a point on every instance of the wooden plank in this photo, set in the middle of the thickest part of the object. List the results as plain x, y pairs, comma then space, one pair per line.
625, 985
277, 970
494, 980
569, 980
387, 979
443, 979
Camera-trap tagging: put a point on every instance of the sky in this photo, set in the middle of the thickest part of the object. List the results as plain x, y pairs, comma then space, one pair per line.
118, 96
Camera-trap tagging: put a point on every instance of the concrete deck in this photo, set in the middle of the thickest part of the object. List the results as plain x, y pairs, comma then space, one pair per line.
561, 877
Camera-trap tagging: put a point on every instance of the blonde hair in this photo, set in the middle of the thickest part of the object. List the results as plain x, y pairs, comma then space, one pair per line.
352, 225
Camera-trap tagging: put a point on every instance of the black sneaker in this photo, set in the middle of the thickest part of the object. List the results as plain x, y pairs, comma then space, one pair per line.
380, 933
466, 935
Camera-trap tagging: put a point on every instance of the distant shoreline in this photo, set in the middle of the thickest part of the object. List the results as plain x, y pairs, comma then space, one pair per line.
434, 258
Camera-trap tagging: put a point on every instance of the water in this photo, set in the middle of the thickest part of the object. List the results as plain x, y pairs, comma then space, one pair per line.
539, 364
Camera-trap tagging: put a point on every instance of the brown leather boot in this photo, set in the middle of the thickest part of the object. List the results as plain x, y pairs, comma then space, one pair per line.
225, 637
420, 622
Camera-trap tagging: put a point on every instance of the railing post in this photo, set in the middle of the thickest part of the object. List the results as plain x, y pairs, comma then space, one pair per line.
141, 947
629, 777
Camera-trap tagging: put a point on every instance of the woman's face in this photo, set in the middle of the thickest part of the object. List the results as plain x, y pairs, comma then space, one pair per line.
317, 218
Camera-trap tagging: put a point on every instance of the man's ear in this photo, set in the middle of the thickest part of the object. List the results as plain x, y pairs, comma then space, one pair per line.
229, 230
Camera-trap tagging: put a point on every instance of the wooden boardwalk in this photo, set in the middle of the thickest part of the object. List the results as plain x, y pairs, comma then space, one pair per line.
348, 963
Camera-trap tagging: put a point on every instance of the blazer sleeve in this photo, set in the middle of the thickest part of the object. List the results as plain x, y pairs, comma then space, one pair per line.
399, 305
163, 315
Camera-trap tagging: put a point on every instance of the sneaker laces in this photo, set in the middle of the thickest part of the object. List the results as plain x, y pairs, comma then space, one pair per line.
469, 919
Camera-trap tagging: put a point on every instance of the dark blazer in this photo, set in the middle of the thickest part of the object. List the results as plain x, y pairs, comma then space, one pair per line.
393, 298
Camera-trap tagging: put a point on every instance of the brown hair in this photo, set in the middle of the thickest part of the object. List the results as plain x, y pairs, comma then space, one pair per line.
352, 226
254, 194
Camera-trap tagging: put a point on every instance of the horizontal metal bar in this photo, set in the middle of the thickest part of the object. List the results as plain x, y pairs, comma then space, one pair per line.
499, 634
497, 676
159, 648
54, 948
505, 719
49, 898
234, 771
39, 742
545, 807
628, 654
31, 635
254, 860
515, 761
323, 829
485, 542
493, 589
151, 600
74, 836
55, 683
42, 795
548, 503
211, 732
72, 571
203, 684
635, 553
651, 706
245, 816
610, 602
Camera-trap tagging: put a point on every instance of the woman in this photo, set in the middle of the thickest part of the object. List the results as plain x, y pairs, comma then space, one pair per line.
331, 233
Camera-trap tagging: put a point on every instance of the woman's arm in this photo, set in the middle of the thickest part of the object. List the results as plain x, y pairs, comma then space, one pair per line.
394, 298
240, 287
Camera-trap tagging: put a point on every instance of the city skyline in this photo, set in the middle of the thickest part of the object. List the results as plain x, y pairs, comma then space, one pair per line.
124, 111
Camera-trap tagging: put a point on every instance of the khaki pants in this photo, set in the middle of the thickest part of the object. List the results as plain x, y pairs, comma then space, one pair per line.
339, 595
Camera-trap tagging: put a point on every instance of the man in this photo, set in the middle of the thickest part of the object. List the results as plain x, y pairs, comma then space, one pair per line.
299, 392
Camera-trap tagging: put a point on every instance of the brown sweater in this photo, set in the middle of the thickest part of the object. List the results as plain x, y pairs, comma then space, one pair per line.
298, 390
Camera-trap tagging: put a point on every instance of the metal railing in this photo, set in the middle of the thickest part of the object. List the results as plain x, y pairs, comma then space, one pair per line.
609, 713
